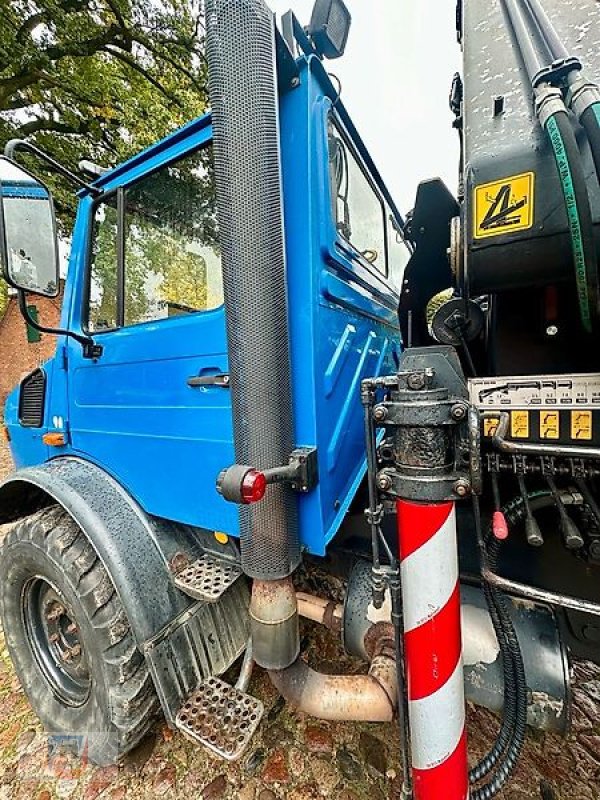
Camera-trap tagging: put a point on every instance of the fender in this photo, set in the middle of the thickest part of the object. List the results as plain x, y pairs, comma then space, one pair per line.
137, 551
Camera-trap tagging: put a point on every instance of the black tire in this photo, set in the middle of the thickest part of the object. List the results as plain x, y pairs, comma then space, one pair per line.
91, 687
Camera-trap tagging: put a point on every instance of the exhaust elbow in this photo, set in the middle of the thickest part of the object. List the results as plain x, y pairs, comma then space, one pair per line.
339, 698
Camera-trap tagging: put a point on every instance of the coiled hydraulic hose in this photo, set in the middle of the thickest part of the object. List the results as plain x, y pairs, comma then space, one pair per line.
512, 752
504, 755
577, 203
512, 734
489, 761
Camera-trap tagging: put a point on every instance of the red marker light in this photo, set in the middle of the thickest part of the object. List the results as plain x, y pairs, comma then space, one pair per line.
254, 486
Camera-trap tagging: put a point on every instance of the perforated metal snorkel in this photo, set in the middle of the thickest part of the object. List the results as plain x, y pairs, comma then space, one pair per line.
240, 48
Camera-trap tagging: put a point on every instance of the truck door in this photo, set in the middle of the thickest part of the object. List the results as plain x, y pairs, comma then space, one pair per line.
153, 299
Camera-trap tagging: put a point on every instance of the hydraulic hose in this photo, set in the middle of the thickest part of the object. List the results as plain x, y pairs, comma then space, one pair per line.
579, 214
586, 109
590, 119
541, 48
489, 761
552, 39
513, 750
504, 755
512, 733
533, 60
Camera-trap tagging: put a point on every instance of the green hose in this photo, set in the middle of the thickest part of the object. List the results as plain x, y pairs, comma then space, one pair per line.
568, 162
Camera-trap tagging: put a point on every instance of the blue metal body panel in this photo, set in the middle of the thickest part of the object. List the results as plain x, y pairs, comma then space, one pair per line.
132, 412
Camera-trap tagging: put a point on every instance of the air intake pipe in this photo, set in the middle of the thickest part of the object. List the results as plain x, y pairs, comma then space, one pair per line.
240, 48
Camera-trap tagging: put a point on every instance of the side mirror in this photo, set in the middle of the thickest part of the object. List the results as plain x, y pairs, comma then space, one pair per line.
28, 238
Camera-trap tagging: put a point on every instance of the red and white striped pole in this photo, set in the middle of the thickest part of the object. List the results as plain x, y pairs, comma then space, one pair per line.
433, 649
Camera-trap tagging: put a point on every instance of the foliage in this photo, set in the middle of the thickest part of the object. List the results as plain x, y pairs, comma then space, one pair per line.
171, 246
98, 79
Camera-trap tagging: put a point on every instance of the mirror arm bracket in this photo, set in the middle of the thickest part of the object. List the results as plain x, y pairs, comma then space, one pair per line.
21, 144
91, 349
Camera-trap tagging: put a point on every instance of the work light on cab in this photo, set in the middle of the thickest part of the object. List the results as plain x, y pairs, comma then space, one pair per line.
329, 27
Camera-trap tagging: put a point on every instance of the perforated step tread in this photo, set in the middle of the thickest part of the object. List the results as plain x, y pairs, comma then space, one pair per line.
221, 718
207, 578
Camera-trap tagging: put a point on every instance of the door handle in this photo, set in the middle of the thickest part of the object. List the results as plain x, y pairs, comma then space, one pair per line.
221, 379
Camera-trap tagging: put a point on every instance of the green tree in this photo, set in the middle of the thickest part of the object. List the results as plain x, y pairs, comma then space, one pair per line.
98, 79
171, 245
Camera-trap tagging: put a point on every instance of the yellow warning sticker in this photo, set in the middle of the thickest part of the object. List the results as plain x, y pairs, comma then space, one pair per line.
581, 425
490, 426
549, 425
504, 206
519, 424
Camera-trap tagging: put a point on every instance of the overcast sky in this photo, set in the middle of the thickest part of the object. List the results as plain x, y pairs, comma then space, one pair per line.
396, 75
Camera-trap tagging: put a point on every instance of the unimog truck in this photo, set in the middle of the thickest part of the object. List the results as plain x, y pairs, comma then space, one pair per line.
262, 363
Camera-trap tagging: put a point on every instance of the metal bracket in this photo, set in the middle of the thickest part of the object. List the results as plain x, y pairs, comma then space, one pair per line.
92, 350
435, 432
304, 469
375, 517
301, 473
288, 73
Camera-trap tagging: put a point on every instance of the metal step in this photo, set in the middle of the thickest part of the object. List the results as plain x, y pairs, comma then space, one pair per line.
207, 578
221, 718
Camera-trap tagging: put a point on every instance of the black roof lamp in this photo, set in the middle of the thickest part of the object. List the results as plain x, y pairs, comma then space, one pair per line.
329, 27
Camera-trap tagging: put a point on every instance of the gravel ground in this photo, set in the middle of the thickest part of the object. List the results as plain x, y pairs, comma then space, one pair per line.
6, 464
292, 756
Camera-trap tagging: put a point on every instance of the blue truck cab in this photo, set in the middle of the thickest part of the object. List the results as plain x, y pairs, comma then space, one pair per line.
230, 356
144, 279
123, 583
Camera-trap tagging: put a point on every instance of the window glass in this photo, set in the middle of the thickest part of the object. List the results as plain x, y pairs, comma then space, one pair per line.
357, 209
172, 253
103, 277
172, 257
398, 252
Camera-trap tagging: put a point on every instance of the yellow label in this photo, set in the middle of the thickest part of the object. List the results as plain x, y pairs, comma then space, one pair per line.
519, 424
504, 206
490, 426
221, 538
549, 425
581, 425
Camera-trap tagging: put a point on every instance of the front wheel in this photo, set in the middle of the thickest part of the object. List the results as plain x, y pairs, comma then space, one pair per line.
70, 640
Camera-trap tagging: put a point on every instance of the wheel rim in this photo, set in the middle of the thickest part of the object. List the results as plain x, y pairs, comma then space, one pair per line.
55, 640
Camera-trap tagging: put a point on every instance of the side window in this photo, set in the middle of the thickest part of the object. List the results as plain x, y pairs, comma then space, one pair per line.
357, 209
103, 268
171, 259
172, 254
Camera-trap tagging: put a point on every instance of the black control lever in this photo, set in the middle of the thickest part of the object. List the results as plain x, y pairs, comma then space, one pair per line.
571, 536
533, 531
